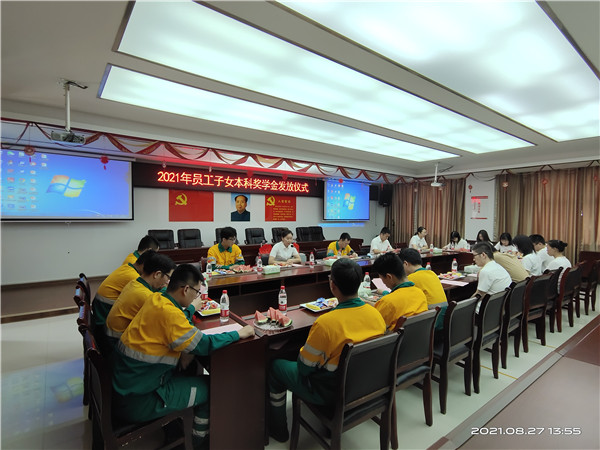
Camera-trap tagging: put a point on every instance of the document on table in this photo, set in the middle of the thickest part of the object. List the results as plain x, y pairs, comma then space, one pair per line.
223, 328
379, 284
455, 283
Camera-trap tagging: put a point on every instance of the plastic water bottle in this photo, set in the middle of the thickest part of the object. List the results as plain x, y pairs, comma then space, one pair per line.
367, 281
208, 271
224, 307
339, 254
283, 300
428, 266
259, 266
430, 248
204, 291
454, 266
311, 260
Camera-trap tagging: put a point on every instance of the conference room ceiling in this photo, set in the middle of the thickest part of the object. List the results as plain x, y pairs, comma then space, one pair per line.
393, 86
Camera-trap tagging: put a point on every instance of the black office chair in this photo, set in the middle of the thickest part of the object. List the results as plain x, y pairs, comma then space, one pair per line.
320, 253
534, 308
255, 236
456, 344
365, 390
589, 283
218, 236
489, 329
512, 320
568, 295
316, 234
414, 362
277, 232
189, 238
164, 237
302, 234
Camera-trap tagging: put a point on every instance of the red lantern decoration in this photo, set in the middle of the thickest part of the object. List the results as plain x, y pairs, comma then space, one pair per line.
505, 184
470, 187
104, 160
341, 180
164, 164
544, 181
29, 151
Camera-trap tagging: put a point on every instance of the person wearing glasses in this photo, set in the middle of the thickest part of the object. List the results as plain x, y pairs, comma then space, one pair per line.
145, 379
226, 253
110, 289
313, 376
155, 276
492, 278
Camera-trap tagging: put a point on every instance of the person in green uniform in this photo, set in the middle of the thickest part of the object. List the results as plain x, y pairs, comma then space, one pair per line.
312, 376
146, 243
145, 380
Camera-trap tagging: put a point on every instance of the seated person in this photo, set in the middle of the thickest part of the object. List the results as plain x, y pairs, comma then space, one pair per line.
155, 275
511, 264
381, 244
556, 249
226, 253
531, 261
456, 243
313, 376
146, 243
505, 244
110, 289
341, 247
539, 245
483, 236
145, 382
424, 279
493, 278
284, 253
404, 298
418, 240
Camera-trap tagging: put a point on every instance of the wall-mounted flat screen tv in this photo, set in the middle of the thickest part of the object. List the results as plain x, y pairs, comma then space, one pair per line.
55, 187
348, 200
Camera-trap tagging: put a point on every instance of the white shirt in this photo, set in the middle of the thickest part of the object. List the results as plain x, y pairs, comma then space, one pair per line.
560, 261
378, 244
282, 253
457, 245
532, 264
545, 258
505, 248
493, 278
417, 241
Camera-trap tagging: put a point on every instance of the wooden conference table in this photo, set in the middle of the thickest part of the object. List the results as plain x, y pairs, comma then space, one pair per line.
238, 385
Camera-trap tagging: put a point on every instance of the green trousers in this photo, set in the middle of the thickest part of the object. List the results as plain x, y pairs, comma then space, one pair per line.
179, 393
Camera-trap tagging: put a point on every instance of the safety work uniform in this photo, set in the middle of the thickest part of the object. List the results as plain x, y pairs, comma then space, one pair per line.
404, 300
109, 291
218, 255
430, 284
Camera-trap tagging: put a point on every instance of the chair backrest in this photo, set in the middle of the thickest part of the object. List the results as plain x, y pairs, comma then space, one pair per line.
255, 236
587, 267
302, 234
594, 274
189, 237
417, 344
364, 249
80, 296
536, 293
277, 232
320, 253
458, 323
573, 280
367, 371
218, 236
164, 237
491, 311
316, 233
83, 281
553, 284
85, 316
514, 303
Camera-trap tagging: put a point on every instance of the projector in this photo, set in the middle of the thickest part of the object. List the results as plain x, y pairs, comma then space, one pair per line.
67, 136
436, 184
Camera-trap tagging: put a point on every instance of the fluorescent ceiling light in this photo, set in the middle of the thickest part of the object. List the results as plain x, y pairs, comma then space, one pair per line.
507, 55
134, 88
195, 39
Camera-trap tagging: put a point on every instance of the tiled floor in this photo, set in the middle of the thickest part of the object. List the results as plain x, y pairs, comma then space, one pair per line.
42, 391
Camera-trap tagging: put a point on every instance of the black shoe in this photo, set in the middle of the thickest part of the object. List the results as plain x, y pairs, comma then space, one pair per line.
280, 435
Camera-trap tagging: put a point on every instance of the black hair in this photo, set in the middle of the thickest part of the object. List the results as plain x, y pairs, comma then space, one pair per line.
228, 233
345, 237
158, 261
454, 234
485, 237
241, 195
411, 256
389, 263
419, 230
144, 257
346, 275
523, 244
184, 274
507, 237
484, 247
558, 245
148, 242
285, 232
385, 230
537, 239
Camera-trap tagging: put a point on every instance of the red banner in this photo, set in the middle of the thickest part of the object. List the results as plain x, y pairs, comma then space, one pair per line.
190, 206
280, 208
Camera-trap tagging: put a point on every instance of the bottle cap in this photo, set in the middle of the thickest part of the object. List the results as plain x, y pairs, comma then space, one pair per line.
224, 291
282, 287
366, 273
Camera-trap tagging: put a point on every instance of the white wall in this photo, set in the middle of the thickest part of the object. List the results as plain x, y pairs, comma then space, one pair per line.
480, 187
34, 252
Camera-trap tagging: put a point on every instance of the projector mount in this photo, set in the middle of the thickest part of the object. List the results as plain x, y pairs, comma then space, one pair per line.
435, 182
68, 135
